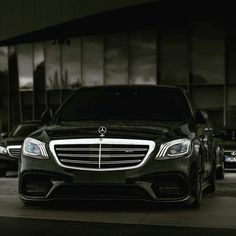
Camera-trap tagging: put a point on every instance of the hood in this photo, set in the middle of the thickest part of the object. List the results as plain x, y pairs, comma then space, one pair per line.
150, 130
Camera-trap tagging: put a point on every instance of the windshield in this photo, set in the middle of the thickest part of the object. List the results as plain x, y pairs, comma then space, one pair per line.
23, 130
126, 104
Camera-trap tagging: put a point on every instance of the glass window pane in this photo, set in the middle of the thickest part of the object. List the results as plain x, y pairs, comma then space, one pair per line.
4, 102
211, 99
52, 65
71, 63
39, 80
25, 66
208, 66
14, 91
92, 61
53, 74
116, 59
142, 58
174, 56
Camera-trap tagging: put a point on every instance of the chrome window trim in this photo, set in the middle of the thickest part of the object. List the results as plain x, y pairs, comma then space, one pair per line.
101, 141
13, 147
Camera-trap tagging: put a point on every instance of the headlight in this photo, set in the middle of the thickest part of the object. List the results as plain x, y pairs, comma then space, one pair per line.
3, 150
174, 149
34, 148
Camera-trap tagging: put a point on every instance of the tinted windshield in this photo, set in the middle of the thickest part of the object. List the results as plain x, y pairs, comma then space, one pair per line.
23, 130
126, 104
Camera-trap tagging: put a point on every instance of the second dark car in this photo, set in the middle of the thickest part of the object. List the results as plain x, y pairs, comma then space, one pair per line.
10, 147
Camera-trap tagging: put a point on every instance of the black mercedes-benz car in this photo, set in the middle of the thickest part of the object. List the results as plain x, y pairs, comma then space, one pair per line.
10, 147
120, 142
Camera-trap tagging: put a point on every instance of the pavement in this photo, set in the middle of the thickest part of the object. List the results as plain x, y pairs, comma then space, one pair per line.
217, 214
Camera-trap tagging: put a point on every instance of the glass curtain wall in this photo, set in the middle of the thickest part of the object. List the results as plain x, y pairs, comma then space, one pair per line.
92, 61
142, 58
71, 77
208, 68
174, 55
53, 74
14, 98
39, 80
4, 80
191, 56
25, 69
116, 59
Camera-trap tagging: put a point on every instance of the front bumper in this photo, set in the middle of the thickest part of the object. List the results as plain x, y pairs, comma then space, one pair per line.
155, 181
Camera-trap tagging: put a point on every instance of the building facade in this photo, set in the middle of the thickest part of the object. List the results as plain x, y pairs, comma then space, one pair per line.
124, 42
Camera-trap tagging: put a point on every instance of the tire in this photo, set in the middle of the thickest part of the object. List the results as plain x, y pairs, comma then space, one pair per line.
196, 188
220, 173
3, 172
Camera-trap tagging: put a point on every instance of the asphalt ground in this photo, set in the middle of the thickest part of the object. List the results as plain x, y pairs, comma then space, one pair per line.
217, 215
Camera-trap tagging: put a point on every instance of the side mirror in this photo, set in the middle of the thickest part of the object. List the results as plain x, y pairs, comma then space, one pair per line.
201, 117
4, 135
46, 116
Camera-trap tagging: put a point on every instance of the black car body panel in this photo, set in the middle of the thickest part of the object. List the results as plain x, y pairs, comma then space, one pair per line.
80, 162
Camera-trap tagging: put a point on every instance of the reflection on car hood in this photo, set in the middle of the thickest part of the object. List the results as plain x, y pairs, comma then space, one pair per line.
150, 130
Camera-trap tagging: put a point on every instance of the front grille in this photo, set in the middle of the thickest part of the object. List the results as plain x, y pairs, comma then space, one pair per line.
102, 154
14, 151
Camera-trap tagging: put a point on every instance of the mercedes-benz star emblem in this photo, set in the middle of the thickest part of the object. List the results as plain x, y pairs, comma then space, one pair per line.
102, 130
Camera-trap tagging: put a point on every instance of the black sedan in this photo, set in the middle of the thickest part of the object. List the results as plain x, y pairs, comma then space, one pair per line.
10, 147
120, 142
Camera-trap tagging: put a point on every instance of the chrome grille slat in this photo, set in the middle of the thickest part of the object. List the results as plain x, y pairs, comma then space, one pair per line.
104, 149
14, 151
102, 162
103, 154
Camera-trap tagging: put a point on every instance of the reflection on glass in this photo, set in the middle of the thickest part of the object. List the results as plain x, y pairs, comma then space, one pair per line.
211, 99
208, 66
4, 102
39, 80
53, 76
25, 66
174, 56
142, 58
15, 114
116, 59
92, 61
71, 64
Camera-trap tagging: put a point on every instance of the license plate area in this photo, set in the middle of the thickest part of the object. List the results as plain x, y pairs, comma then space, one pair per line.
100, 178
